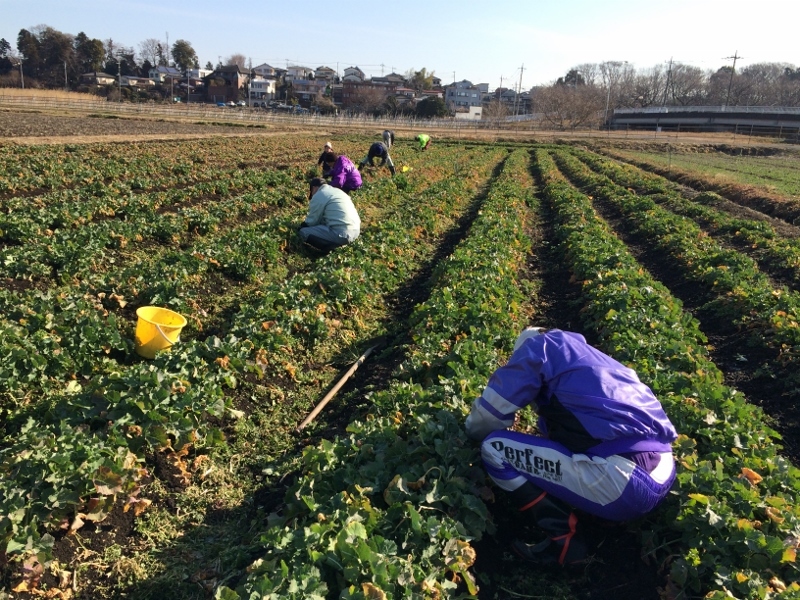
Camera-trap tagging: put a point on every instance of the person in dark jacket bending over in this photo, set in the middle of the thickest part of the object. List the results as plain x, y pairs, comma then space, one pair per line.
606, 447
321, 162
332, 219
341, 172
378, 150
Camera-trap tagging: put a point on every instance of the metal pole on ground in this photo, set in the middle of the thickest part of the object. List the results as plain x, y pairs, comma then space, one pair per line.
318, 408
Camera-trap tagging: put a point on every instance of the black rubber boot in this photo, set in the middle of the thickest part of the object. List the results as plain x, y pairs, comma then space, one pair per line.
564, 545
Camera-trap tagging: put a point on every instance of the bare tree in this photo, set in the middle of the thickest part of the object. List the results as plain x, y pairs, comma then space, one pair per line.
237, 59
687, 85
763, 84
495, 110
368, 100
151, 50
720, 88
639, 89
324, 103
569, 107
590, 72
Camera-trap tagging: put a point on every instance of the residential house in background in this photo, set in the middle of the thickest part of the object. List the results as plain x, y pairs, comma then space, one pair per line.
428, 93
396, 78
461, 95
473, 113
137, 82
353, 74
226, 83
305, 90
197, 73
262, 90
515, 104
404, 95
266, 71
325, 73
355, 92
295, 72
97, 78
162, 74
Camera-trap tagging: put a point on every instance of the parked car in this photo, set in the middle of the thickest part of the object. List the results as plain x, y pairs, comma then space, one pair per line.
221, 104
230, 103
241, 103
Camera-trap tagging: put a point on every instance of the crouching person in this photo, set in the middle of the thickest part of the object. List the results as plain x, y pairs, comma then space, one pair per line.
332, 219
605, 448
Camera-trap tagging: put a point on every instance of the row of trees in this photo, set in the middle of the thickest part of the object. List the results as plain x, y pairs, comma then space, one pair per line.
588, 92
46, 57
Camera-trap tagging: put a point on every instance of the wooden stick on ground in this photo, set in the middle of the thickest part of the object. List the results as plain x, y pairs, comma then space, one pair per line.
336, 388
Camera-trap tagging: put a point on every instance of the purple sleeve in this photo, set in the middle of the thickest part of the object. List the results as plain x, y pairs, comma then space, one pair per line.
356, 176
338, 175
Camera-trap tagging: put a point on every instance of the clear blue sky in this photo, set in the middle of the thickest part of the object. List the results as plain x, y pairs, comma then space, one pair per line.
480, 41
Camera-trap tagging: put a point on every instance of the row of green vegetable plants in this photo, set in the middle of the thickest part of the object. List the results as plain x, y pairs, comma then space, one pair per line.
57, 246
389, 510
730, 527
108, 169
69, 331
79, 236
756, 237
770, 168
86, 439
781, 206
742, 294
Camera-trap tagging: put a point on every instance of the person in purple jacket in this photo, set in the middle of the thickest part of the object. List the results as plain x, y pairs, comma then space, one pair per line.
605, 448
341, 171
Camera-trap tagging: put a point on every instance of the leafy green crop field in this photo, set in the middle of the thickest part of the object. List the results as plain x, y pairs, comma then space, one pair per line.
185, 476
775, 173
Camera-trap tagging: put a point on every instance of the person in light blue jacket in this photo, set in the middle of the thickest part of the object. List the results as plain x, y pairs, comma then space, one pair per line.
605, 448
332, 219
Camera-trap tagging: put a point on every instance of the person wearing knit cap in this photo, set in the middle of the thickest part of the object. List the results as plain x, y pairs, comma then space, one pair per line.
328, 147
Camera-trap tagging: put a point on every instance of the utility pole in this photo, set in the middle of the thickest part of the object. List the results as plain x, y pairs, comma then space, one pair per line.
519, 89
666, 86
168, 56
66, 84
119, 74
500, 104
21, 76
735, 57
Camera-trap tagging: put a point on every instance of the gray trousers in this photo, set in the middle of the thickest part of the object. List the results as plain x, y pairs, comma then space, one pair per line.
325, 238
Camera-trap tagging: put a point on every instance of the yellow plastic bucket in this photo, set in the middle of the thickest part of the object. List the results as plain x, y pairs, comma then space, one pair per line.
157, 329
